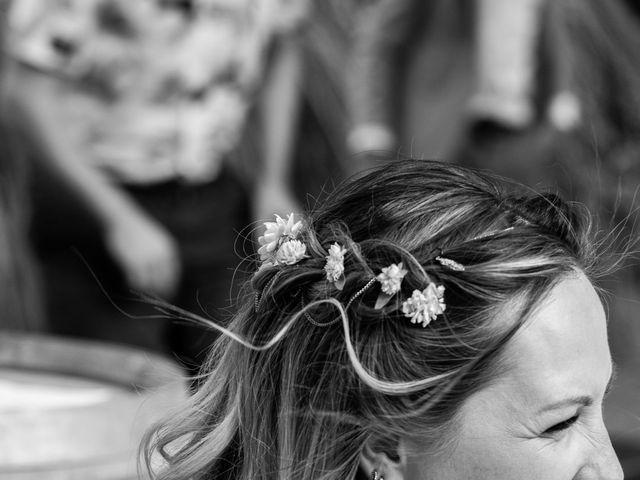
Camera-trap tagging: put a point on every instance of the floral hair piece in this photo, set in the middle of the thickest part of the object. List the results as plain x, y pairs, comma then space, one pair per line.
390, 283
334, 267
279, 245
425, 306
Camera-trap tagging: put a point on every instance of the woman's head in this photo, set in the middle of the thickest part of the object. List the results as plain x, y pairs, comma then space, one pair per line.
542, 417
346, 383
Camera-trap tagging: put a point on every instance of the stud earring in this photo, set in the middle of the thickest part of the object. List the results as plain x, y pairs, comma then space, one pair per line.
376, 476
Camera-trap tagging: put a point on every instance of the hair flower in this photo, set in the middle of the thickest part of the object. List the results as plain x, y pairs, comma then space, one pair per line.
390, 280
425, 306
276, 235
334, 268
291, 252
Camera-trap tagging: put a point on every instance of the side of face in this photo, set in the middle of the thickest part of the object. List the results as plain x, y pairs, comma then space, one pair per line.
543, 418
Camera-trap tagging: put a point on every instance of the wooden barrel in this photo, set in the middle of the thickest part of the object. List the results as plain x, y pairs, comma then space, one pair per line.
72, 409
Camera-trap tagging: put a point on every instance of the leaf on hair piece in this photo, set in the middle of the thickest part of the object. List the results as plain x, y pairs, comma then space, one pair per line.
339, 283
382, 300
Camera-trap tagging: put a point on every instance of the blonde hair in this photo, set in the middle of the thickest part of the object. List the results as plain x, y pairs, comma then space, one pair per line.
299, 382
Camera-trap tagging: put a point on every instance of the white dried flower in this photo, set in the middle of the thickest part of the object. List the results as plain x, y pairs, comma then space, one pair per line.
275, 234
291, 252
391, 278
425, 306
334, 267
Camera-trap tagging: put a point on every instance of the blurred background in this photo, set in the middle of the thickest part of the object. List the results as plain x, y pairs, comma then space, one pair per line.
141, 141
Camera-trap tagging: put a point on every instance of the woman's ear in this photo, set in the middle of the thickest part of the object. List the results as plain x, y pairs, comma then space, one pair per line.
386, 456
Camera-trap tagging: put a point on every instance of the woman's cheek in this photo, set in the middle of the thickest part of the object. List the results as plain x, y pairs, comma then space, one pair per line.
486, 459
564, 457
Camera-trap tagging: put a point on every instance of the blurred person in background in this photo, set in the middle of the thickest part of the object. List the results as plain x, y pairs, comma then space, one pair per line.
410, 77
19, 286
321, 154
424, 68
134, 111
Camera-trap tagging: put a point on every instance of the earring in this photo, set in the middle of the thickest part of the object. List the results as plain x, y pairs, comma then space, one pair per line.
376, 476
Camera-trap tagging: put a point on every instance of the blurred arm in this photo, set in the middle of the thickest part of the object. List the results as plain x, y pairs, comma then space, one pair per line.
142, 248
382, 30
507, 33
279, 106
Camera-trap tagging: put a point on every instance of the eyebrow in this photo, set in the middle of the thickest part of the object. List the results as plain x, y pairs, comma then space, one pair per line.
582, 400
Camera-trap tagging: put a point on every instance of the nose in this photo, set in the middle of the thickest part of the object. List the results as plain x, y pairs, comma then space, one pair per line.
611, 468
604, 463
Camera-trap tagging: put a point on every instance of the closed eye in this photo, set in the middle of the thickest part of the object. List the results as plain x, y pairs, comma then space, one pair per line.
558, 427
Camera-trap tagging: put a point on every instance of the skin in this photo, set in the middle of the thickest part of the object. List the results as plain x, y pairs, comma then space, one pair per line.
543, 418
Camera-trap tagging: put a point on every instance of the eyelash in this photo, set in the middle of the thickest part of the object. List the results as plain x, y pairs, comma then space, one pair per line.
558, 427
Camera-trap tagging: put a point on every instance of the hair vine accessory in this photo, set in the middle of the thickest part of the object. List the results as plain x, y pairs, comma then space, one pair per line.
279, 245
314, 322
493, 233
259, 296
360, 292
390, 283
351, 300
334, 267
425, 306
451, 264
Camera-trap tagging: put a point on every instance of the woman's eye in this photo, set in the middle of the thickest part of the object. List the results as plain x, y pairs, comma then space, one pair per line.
558, 427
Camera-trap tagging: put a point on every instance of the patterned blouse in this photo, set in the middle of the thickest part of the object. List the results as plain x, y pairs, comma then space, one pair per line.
152, 90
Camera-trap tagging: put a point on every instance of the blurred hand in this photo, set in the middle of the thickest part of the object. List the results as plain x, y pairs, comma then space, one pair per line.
147, 255
273, 198
371, 137
371, 145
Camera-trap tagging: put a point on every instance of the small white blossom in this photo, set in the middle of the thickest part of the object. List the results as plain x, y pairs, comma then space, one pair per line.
269, 241
391, 278
425, 306
275, 234
334, 267
290, 227
291, 252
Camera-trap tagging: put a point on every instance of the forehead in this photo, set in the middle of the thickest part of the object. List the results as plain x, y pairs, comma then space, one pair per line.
562, 349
